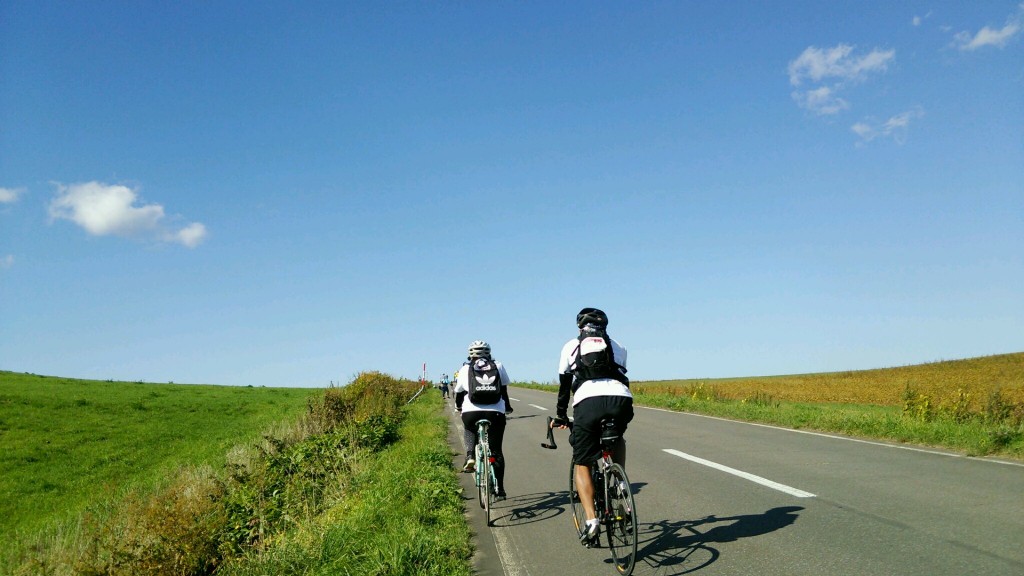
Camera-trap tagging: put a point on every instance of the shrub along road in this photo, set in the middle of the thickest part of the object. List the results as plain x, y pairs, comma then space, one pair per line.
723, 497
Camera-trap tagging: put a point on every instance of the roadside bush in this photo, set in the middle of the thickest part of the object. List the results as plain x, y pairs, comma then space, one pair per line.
917, 405
172, 532
959, 409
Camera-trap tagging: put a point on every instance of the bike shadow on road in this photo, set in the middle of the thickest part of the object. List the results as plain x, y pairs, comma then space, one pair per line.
685, 546
529, 508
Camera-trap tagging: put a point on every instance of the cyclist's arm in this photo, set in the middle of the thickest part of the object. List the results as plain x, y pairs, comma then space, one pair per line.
504, 387
461, 389
564, 389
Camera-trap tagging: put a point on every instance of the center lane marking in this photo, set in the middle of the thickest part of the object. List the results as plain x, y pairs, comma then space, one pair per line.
746, 475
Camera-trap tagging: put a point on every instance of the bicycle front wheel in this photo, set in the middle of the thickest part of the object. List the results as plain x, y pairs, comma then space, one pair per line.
620, 523
481, 476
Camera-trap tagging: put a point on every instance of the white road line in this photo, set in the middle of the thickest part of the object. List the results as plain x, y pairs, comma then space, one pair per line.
539, 407
511, 398
506, 556
753, 478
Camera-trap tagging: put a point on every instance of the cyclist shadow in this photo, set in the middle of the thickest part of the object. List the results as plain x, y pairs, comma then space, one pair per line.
682, 547
520, 417
530, 508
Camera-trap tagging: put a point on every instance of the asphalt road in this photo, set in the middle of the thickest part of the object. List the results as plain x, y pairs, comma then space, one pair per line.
721, 497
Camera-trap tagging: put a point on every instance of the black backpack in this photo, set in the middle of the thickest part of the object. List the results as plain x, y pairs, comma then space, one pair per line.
484, 382
595, 358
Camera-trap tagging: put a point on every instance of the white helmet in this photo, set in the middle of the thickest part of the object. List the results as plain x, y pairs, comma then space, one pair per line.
479, 349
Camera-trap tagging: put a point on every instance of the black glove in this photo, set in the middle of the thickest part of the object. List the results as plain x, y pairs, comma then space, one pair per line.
509, 410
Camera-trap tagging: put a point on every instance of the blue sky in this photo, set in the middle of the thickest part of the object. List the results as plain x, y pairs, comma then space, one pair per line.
266, 194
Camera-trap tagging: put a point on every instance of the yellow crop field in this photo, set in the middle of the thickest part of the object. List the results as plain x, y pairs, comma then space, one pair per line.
968, 383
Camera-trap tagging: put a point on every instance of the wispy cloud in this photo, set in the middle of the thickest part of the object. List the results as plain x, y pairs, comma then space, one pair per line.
6, 262
967, 42
191, 235
917, 20
817, 64
10, 195
828, 71
822, 101
105, 210
894, 128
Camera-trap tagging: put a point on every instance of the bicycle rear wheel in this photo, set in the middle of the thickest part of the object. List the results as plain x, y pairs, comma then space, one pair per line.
579, 516
620, 523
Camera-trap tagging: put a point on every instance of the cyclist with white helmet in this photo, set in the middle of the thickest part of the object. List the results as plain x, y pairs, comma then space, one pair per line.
481, 393
592, 367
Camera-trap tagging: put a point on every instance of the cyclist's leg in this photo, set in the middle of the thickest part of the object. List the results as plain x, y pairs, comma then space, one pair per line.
620, 408
469, 437
585, 489
586, 448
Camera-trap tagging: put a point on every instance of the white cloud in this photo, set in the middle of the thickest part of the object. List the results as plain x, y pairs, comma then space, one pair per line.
10, 195
829, 70
917, 20
895, 127
6, 262
967, 42
191, 235
104, 210
816, 64
821, 101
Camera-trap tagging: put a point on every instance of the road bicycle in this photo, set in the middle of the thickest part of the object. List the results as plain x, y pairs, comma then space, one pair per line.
613, 500
483, 475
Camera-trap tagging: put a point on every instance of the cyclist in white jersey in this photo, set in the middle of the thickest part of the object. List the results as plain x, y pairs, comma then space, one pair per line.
473, 412
592, 367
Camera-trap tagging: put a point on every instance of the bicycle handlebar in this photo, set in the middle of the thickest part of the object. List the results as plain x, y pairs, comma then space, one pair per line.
552, 422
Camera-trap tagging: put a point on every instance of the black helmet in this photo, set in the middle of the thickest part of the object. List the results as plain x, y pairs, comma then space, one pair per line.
591, 316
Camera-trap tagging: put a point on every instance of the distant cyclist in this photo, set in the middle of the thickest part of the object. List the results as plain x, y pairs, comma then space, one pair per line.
592, 367
481, 393
444, 385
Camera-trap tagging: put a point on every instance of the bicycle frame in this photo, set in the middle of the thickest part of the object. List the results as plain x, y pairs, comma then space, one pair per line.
484, 477
613, 503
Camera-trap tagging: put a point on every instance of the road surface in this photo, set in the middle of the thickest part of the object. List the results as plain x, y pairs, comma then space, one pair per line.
721, 497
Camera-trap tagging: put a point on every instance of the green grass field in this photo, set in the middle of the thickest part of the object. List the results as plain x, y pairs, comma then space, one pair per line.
66, 443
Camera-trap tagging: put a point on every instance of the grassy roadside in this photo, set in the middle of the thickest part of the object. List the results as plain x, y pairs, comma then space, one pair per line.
975, 406
402, 514
361, 483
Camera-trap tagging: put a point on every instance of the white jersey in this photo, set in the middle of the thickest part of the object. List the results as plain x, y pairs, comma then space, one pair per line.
598, 386
462, 385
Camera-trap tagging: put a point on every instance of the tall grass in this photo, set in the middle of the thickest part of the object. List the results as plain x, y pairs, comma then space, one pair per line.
402, 515
974, 405
943, 382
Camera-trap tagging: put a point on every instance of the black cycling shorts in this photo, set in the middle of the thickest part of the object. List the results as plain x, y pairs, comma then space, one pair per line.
586, 427
496, 433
